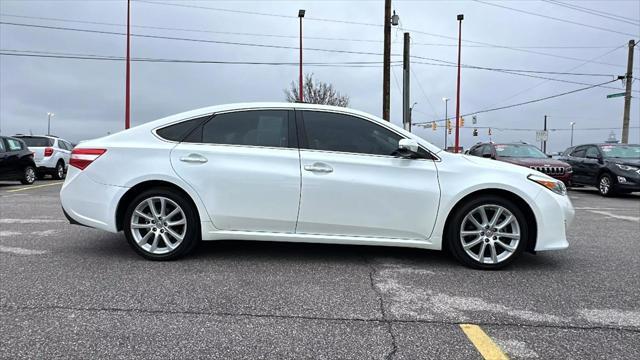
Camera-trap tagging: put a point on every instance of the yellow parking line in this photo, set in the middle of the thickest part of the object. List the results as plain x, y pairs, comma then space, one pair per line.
487, 348
35, 186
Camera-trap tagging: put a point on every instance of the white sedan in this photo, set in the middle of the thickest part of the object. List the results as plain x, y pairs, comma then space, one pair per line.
307, 173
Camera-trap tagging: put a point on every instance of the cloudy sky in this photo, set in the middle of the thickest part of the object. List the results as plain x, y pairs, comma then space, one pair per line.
87, 96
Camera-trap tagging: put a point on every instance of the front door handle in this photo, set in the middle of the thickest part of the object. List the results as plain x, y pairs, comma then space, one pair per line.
194, 158
319, 167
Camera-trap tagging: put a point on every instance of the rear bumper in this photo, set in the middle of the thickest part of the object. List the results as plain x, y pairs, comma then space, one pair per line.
89, 203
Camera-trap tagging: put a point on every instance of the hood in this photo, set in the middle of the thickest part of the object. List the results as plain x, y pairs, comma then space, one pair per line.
548, 162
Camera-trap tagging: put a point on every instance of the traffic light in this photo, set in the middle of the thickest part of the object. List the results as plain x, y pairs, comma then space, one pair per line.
475, 132
434, 126
461, 121
449, 126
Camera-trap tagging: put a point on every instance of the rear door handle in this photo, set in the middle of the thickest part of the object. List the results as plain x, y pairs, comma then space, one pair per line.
319, 167
194, 158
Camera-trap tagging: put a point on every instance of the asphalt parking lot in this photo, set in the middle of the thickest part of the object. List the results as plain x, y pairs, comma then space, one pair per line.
72, 292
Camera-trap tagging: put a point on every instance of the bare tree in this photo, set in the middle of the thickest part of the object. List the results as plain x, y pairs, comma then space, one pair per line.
316, 92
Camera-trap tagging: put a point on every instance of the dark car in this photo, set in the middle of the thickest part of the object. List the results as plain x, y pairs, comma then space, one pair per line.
524, 155
16, 161
612, 168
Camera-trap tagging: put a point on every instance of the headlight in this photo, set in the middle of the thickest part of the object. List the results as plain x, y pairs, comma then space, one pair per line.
554, 185
626, 167
568, 170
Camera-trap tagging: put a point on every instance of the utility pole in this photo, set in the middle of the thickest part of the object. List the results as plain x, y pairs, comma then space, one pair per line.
446, 120
386, 68
406, 88
127, 122
457, 145
627, 94
544, 138
301, 96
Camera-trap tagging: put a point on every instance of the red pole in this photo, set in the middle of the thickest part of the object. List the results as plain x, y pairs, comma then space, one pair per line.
301, 87
457, 144
127, 122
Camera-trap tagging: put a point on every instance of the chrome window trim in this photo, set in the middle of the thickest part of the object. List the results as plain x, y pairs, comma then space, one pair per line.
436, 158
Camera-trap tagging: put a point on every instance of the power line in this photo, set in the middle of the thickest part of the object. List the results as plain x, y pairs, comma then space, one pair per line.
571, 69
424, 93
378, 25
56, 55
289, 36
524, 103
263, 46
595, 12
554, 18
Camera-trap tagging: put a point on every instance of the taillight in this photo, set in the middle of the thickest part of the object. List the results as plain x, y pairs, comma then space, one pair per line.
81, 158
48, 151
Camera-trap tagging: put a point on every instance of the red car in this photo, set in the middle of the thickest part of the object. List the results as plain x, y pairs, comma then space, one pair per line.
525, 155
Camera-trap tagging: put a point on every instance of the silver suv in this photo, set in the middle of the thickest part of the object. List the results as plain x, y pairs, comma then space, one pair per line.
51, 154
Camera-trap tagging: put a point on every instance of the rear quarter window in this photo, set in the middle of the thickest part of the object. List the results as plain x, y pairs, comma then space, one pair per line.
37, 141
179, 131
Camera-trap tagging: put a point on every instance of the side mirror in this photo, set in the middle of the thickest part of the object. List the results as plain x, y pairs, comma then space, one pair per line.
487, 155
549, 156
408, 145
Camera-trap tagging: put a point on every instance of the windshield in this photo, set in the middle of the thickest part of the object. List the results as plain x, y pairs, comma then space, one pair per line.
521, 151
36, 141
621, 151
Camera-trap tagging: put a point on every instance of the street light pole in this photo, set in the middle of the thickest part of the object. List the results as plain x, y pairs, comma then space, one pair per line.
49, 115
127, 122
573, 123
446, 119
460, 18
301, 96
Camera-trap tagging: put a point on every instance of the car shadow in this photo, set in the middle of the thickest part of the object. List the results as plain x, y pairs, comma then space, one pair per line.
116, 247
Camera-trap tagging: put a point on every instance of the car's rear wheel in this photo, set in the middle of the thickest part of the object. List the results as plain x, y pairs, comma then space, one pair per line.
161, 225
28, 175
605, 185
488, 232
58, 172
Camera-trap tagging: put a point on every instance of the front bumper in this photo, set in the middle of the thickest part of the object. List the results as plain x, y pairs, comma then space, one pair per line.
554, 214
626, 181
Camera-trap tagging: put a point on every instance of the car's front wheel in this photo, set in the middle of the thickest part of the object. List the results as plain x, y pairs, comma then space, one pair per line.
605, 184
28, 175
161, 224
488, 232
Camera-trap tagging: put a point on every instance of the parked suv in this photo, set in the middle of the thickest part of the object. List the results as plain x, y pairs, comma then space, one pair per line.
524, 155
51, 154
612, 168
16, 161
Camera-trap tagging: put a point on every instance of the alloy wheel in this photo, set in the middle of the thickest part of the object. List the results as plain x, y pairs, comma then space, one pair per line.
605, 185
30, 175
60, 171
158, 225
490, 234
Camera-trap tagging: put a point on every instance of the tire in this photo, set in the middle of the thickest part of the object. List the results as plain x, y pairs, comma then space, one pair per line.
508, 246
58, 172
605, 185
28, 175
171, 241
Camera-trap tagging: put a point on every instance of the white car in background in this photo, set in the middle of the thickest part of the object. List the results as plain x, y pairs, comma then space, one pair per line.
307, 173
51, 154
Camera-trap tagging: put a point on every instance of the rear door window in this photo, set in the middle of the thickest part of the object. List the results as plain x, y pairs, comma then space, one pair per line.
1, 145
14, 145
269, 128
